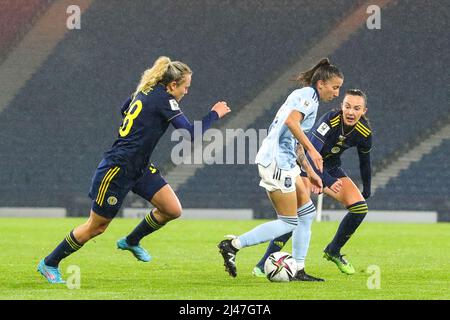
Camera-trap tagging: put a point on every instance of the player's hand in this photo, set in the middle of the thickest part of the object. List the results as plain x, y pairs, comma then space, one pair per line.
221, 108
316, 190
336, 187
316, 183
316, 159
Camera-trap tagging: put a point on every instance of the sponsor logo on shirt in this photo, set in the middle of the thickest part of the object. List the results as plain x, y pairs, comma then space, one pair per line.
174, 104
323, 129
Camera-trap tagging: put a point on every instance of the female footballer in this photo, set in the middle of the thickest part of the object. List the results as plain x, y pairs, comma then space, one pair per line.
335, 132
279, 172
146, 116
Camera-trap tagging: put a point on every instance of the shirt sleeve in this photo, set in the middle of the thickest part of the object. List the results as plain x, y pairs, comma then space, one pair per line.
301, 100
365, 165
320, 132
170, 109
182, 122
318, 136
366, 145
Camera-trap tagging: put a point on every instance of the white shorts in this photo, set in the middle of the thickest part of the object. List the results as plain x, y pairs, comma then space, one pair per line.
273, 178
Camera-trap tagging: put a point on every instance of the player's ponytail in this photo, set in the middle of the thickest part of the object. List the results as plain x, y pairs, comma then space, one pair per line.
323, 70
163, 71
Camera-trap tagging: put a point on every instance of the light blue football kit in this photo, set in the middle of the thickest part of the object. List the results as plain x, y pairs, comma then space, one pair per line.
280, 144
278, 151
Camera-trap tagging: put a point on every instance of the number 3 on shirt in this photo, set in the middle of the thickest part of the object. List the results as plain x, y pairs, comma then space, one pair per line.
131, 114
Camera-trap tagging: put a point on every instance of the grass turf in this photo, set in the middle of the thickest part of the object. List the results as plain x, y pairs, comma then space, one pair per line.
413, 261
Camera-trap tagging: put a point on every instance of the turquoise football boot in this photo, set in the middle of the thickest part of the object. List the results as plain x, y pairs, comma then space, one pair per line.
52, 274
139, 252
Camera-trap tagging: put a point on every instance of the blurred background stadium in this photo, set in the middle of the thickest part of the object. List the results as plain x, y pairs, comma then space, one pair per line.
61, 90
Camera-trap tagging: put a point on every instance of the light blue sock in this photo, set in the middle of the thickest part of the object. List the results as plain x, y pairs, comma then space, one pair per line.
302, 233
268, 231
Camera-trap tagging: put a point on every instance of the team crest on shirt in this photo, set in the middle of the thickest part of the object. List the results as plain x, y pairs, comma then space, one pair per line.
174, 104
288, 182
112, 201
335, 150
306, 104
323, 129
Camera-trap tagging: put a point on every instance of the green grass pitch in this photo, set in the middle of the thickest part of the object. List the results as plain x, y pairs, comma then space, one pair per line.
413, 260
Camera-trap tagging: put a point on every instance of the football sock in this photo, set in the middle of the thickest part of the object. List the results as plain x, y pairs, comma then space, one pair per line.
274, 246
302, 234
268, 231
68, 246
148, 225
348, 226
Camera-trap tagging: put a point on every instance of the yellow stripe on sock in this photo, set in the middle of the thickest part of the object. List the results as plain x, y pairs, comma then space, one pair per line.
359, 210
363, 206
358, 206
72, 243
151, 222
363, 211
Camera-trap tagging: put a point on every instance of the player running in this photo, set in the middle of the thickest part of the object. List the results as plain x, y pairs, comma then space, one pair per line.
279, 172
146, 116
335, 132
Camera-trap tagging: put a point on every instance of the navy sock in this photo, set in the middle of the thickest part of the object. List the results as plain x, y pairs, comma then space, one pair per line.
348, 226
274, 246
68, 246
148, 225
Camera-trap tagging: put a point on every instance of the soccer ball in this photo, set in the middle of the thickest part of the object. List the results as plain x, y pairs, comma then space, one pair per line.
280, 267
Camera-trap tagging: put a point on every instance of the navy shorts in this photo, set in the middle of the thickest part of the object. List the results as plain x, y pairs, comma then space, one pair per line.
336, 172
110, 185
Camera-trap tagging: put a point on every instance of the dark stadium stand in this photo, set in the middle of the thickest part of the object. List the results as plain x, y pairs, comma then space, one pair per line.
424, 186
16, 17
68, 113
55, 130
400, 68
400, 75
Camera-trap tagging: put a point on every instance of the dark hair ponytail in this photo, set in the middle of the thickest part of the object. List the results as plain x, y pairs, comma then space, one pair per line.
323, 70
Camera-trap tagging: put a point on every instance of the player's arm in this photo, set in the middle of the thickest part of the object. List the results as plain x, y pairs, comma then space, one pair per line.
315, 178
328, 181
318, 136
293, 123
219, 110
365, 167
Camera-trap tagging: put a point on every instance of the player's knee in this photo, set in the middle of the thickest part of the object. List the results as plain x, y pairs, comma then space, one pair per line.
97, 229
172, 212
176, 212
